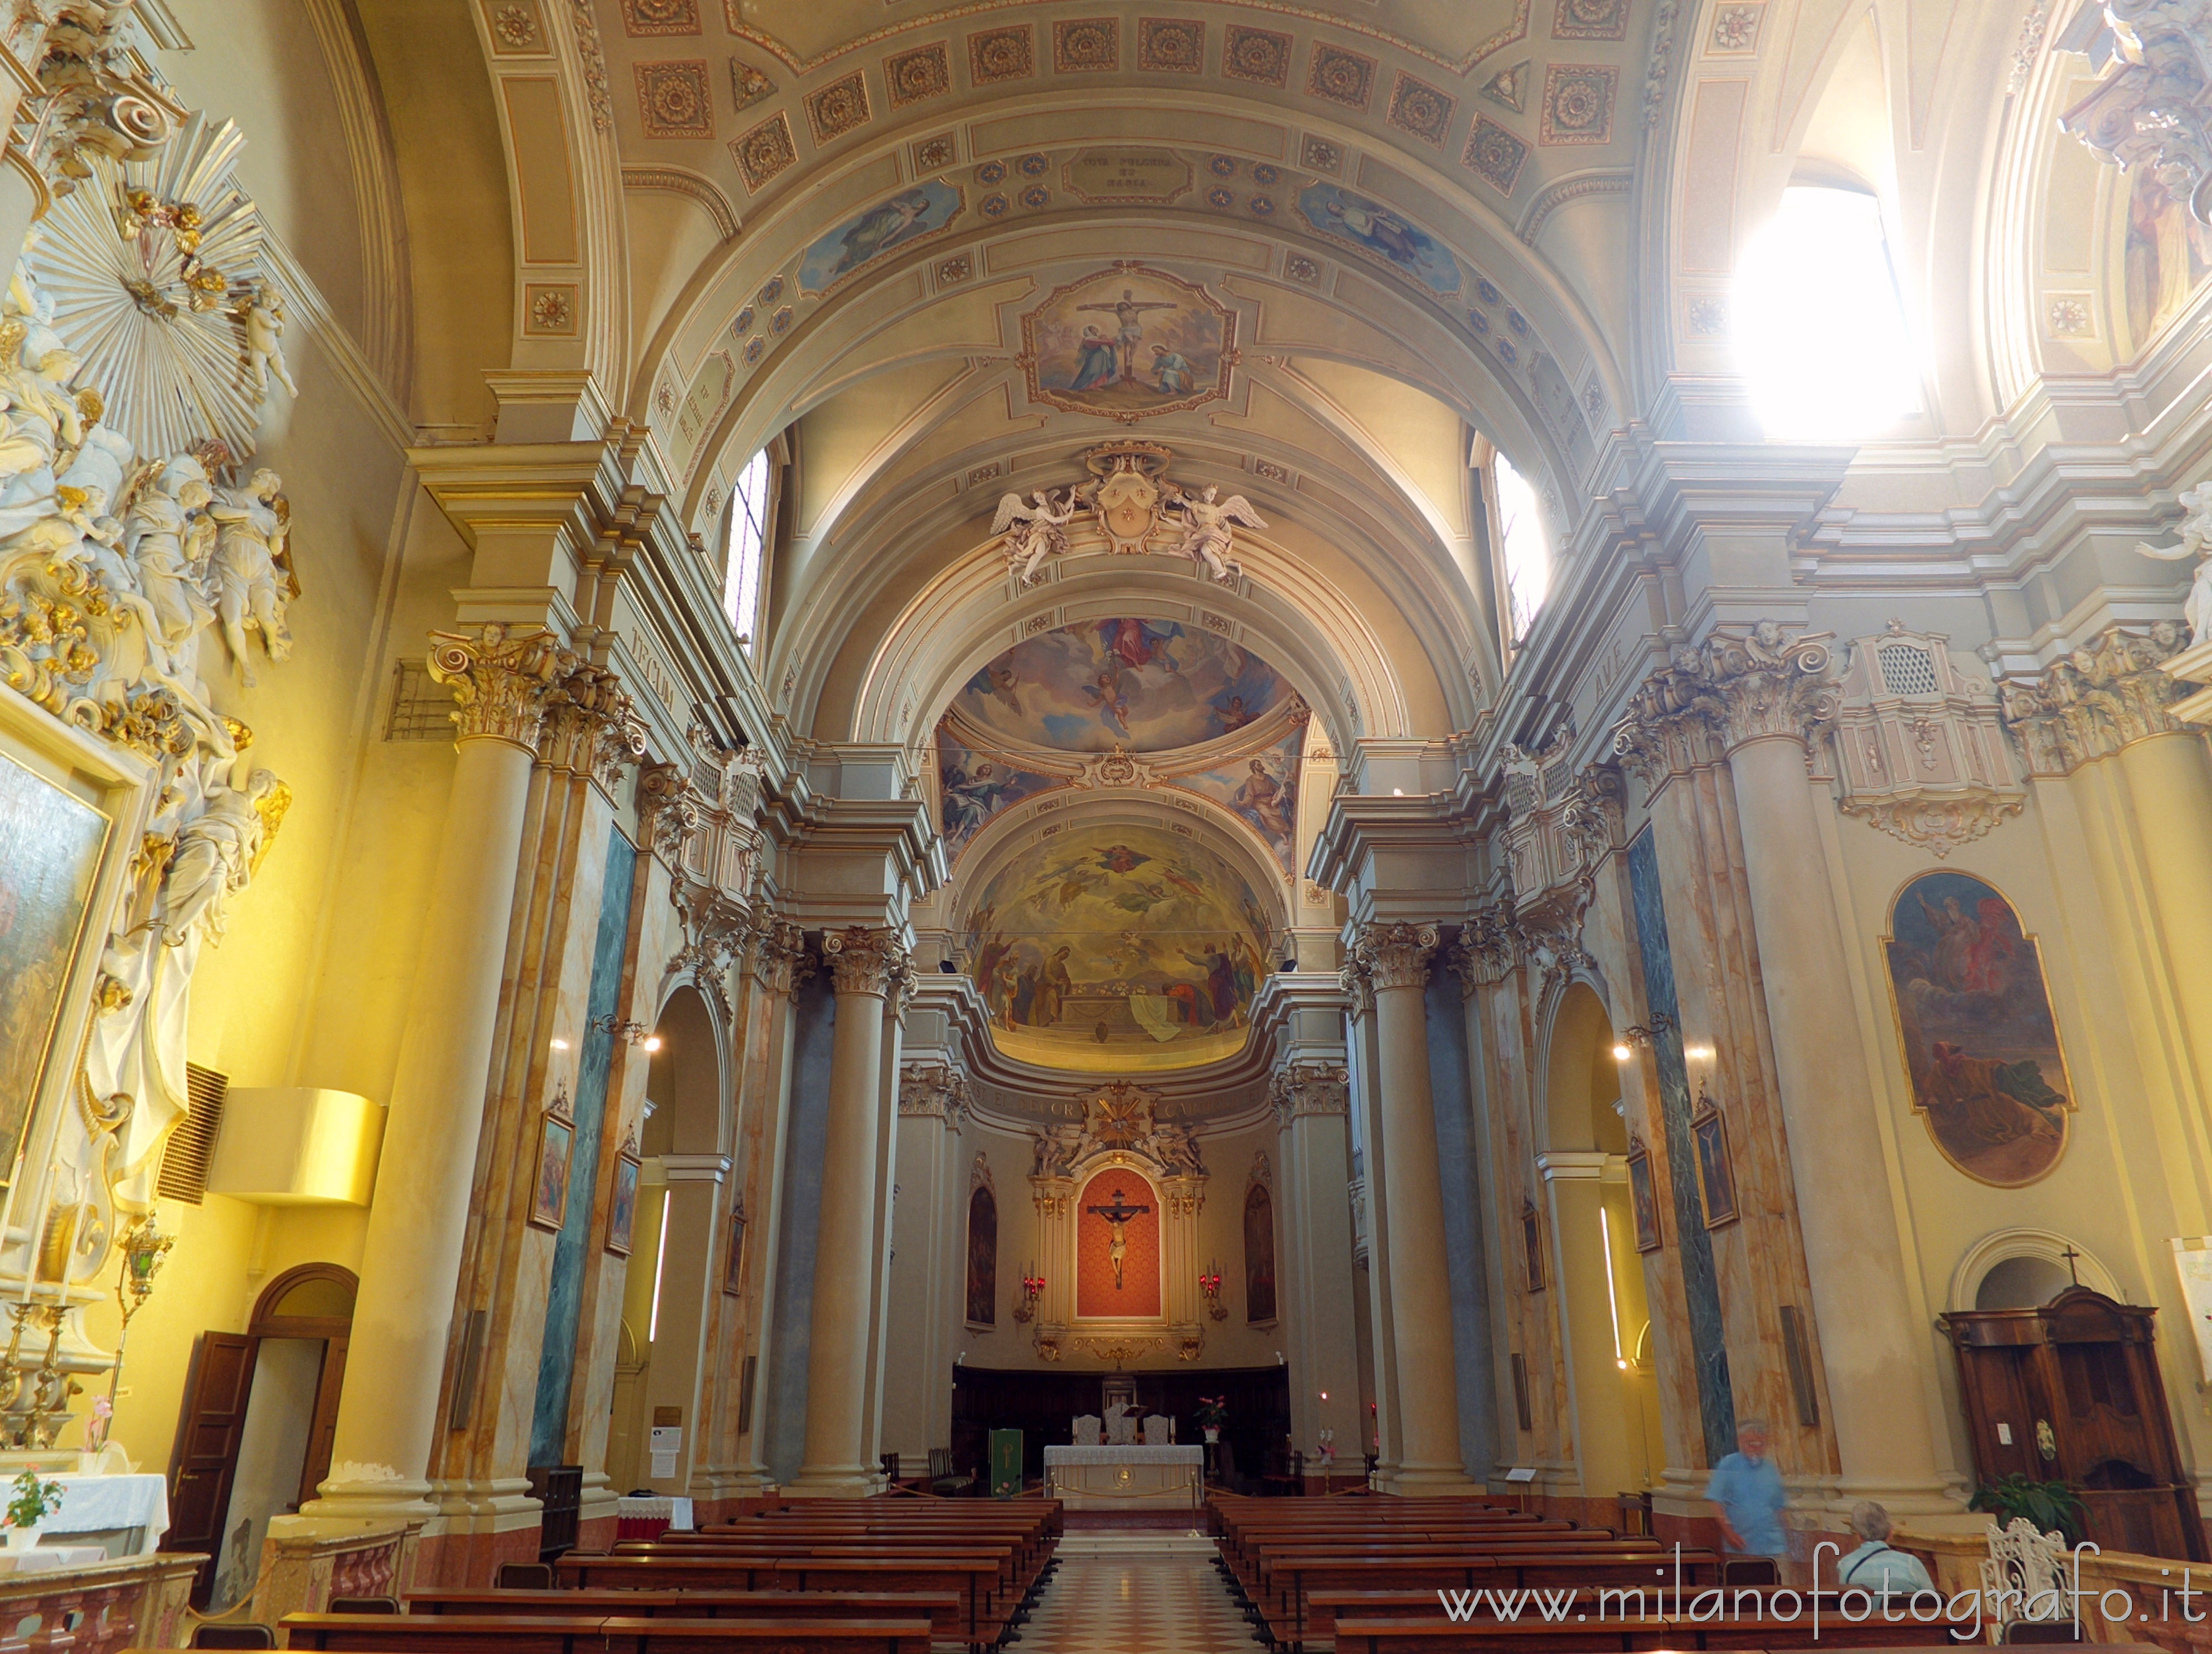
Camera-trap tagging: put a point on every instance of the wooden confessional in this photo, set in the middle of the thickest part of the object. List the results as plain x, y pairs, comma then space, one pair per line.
2071, 1392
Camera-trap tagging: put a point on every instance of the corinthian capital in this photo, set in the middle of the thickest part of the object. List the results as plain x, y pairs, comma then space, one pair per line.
1300, 1089
1395, 955
781, 961
1729, 690
2098, 699
669, 806
504, 680
1489, 947
864, 959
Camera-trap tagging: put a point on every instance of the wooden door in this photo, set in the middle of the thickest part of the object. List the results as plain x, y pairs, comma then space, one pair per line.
206, 1458
323, 1432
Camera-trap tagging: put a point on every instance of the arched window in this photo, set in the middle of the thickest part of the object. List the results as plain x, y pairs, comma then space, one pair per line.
1523, 551
1820, 323
748, 519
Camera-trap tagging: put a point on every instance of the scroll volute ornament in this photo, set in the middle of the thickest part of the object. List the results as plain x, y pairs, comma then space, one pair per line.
503, 679
1395, 955
864, 959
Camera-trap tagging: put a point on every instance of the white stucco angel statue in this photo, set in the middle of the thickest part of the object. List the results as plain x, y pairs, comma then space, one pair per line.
261, 313
2195, 542
1033, 533
1210, 526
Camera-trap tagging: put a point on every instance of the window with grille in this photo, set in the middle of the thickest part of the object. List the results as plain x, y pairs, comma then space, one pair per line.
421, 709
1906, 669
191, 1147
748, 547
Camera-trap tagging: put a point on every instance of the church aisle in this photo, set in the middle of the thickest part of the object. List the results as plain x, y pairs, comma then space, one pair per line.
1136, 1593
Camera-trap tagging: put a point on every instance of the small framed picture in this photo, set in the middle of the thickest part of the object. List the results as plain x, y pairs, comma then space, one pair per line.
734, 1260
548, 1200
622, 1209
1716, 1176
1643, 1196
1532, 1244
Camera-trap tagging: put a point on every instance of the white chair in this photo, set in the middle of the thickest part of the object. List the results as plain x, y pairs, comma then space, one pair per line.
1090, 1431
1156, 1429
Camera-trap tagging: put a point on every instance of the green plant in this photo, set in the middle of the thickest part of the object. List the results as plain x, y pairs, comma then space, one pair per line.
2051, 1506
1211, 1411
34, 1498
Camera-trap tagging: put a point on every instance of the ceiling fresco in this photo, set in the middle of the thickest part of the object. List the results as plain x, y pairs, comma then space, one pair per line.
1141, 685
1118, 948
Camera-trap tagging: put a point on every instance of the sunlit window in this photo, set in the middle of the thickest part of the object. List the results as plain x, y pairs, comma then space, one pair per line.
1819, 324
1521, 534
748, 542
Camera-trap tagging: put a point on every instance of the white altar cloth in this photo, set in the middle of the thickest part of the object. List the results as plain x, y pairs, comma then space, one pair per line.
105, 1505
1128, 1478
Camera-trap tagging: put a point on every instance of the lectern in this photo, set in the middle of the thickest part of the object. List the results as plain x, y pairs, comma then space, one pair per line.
2071, 1392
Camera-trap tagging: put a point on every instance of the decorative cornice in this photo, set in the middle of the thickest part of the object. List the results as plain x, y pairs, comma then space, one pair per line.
503, 679
680, 180
1395, 955
866, 959
1300, 1091
2099, 699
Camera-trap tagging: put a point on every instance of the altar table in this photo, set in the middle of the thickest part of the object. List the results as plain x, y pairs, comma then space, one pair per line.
125, 1515
1126, 1478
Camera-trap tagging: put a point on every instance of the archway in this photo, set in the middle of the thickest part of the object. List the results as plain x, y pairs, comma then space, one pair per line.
682, 1171
1612, 1389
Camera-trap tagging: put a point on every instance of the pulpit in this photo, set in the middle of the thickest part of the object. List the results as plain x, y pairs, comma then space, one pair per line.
2071, 1392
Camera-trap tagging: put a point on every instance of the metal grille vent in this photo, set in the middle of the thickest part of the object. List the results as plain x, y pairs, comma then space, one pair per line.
1906, 669
191, 1147
422, 709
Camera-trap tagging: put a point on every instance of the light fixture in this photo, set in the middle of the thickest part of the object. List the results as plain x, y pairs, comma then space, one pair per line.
1639, 1034
1397, 791
1622, 1053
1210, 1284
653, 1043
560, 1044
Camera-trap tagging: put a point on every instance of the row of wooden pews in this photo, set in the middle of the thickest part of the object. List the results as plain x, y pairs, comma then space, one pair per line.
881, 1576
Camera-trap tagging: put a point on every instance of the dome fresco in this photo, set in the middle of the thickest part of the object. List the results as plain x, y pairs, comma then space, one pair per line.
1118, 948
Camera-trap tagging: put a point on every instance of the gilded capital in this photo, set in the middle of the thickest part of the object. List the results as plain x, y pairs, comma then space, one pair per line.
503, 679
864, 959
2098, 699
1395, 955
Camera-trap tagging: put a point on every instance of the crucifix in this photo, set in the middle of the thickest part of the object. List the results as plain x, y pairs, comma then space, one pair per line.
1117, 1217
2069, 1254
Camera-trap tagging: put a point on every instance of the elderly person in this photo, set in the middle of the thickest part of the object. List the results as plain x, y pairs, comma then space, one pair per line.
1747, 1493
1875, 1567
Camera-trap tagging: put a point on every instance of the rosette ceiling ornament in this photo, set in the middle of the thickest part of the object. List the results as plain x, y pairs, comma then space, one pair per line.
153, 267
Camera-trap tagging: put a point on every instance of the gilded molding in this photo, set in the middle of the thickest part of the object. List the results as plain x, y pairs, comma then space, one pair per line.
1299, 1091
2098, 700
502, 680
1395, 955
866, 959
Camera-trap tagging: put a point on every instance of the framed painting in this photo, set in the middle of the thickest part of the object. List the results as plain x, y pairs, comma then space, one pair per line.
734, 1260
1716, 1174
1127, 342
549, 1194
622, 1208
1643, 1196
1975, 1025
1532, 1244
51, 844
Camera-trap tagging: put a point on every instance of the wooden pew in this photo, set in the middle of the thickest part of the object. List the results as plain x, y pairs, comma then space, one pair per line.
595, 1633
942, 1609
973, 1581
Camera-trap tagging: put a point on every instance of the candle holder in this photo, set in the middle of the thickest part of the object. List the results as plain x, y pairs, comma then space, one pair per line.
145, 1249
1032, 1290
1210, 1284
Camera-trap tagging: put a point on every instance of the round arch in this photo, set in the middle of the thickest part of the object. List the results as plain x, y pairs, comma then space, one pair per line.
2018, 1264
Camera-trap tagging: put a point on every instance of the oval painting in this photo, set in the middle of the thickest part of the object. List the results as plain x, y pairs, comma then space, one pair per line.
1981, 1045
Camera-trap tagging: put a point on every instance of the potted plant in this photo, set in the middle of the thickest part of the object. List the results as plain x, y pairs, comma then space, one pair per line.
28, 1509
1209, 1412
2051, 1506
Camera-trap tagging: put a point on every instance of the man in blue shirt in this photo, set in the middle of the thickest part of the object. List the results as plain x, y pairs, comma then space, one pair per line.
1747, 1493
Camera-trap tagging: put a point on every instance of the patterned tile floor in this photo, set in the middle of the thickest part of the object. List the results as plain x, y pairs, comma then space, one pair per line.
1136, 1593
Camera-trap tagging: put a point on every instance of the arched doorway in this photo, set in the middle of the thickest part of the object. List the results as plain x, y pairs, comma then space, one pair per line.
293, 1359
1604, 1321
676, 1265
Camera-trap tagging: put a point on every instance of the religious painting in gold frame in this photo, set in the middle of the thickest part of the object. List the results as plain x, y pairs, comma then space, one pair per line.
622, 1205
1716, 1172
556, 1153
1977, 1029
1643, 1196
51, 842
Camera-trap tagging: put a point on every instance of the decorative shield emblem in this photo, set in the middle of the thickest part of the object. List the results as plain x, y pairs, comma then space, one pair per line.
1128, 505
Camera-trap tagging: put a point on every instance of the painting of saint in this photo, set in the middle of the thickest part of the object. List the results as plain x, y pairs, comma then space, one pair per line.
1382, 233
1261, 789
1980, 1041
1121, 947
912, 215
1147, 685
982, 1257
1259, 1254
548, 1200
972, 787
51, 843
1127, 342
1643, 1196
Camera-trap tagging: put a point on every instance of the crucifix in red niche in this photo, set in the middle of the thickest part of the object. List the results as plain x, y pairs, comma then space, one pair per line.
1117, 1217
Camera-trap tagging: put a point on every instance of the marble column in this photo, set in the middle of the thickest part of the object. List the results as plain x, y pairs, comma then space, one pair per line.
865, 964
1395, 958
1313, 1221
410, 1263
1869, 1337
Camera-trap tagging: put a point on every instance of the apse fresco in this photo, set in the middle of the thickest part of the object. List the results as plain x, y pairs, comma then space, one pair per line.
973, 787
1260, 788
1118, 947
1144, 685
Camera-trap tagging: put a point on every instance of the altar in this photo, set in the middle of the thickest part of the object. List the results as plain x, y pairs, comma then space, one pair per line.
1126, 1477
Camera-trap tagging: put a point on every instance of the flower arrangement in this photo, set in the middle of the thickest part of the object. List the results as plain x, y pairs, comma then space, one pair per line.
1212, 1411
96, 1425
34, 1498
